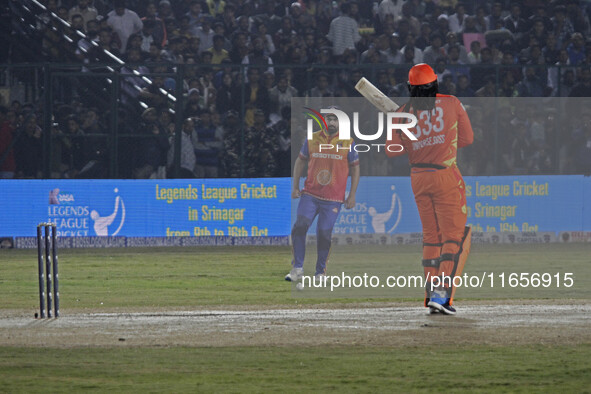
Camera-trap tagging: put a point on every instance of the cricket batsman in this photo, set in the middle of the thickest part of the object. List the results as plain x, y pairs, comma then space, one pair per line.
442, 127
330, 162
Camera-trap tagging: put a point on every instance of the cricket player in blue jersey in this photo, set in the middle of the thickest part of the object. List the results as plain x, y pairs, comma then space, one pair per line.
330, 162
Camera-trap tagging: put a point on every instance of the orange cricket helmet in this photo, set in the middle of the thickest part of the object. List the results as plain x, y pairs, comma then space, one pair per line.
421, 74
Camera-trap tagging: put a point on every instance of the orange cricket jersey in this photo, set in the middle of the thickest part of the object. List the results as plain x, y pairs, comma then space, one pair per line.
328, 169
440, 132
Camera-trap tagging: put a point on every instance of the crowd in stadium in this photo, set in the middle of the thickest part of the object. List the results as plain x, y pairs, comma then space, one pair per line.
478, 49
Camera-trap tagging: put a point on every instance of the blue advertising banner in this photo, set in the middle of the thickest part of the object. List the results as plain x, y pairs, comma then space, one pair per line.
261, 207
147, 208
495, 204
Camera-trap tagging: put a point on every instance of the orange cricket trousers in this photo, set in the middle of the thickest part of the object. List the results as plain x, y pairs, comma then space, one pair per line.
440, 195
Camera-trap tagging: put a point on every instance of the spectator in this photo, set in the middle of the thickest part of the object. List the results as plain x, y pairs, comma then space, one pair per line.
390, 8
260, 145
215, 7
447, 86
514, 22
28, 149
85, 44
563, 29
232, 151
474, 55
281, 94
494, 19
124, 22
553, 73
257, 56
76, 151
159, 30
154, 95
373, 55
457, 21
435, 50
152, 148
576, 49
282, 131
7, 161
321, 89
343, 32
134, 43
77, 23
393, 53
568, 82
147, 35
414, 25
424, 39
463, 88
165, 122
508, 88
286, 34
478, 74
418, 54
188, 158
520, 151
452, 41
196, 16
550, 50
540, 161
218, 53
268, 44
228, 18
538, 31
132, 84
301, 21
480, 22
488, 90
194, 104
255, 96
155, 54
165, 10
442, 25
239, 48
531, 85
225, 100
540, 14
205, 34
579, 16
455, 65
87, 13
207, 146
583, 87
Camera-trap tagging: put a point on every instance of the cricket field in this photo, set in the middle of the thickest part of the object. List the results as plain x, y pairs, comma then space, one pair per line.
222, 319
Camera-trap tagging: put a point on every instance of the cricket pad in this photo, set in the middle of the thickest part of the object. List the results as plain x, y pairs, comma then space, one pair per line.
460, 258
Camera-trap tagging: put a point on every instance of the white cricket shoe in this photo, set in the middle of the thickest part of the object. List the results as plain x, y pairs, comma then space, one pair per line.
294, 275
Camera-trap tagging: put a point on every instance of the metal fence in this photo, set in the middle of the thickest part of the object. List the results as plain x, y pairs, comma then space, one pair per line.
109, 103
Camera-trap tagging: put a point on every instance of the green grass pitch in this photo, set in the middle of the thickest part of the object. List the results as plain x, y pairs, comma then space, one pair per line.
128, 280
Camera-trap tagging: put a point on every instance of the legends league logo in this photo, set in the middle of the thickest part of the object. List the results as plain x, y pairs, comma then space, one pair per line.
565, 237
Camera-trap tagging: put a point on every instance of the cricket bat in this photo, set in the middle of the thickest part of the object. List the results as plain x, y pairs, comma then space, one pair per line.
375, 96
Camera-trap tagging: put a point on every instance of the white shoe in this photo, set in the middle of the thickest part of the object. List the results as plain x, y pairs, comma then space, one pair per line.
433, 311
294, 275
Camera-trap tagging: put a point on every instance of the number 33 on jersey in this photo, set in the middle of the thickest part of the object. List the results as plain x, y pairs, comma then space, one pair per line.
440, 132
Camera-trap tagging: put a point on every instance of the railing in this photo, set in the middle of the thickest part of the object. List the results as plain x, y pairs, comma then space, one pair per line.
111, 91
